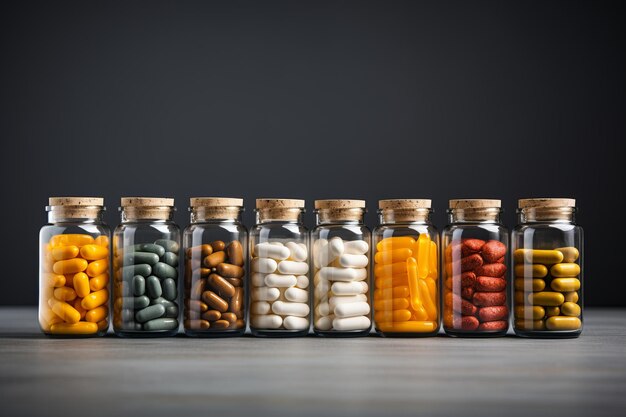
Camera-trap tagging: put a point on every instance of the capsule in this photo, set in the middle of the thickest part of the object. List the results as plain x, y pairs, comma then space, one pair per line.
54, 280
393, 256
530, 324
571, 297
570, 254
163, 270
70, 266
61, 253
65, 311
79, 328
96, 268
141, 258
150, 313
553, 311
546, 298
388, 270
534, 312
536, 284
563, 323
94, 252
565, 270
538, 256
407, 327
565, 284
168, 244
99, 282
528, 270
97, 314
71, 240
81, 284
95, 299
102, 240
396, 242
570, 309
64, 294
147, 247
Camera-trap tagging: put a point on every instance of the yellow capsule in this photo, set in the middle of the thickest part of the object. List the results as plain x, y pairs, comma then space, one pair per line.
46, 314
62, 253
407, 327
392, 243
570, 309
393, 281
96, 268
94, 252
570, 254
392, 315
70, 266
565, 284
95, 299
54, 280
534, 313
432, 264
47, 265
99, 282
103, 325
524, 284
71, 239
395, 292
432, 289
97, 314
102, 240
571, 297
415, 298
531, 270
79, 307
65, 311
82, 327
64, 294
429, 305
81, 284
389, 270
520, 297
529, 324
392, 256
538, 256
391, 304
565, 270
423, 255
553, 311
563, 323
546, 298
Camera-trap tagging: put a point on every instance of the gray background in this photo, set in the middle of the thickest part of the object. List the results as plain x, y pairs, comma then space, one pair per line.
312, 100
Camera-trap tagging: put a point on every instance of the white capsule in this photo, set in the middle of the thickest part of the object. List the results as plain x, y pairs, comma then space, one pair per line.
349, 287
265, 265
291, 309
260, 307
270, 321
351, 323
342, 310
276, 280
332, 273
302, 281
295, 323
322, 288
324, 323
335, 246
265, 294
328, 252
335, 300
297, 295
318, 247
271, 250
297, 251
353, 261
293, 267
356, 247
258, 279
322, 309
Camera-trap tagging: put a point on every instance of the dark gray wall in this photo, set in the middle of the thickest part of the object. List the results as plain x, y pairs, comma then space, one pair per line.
312, 100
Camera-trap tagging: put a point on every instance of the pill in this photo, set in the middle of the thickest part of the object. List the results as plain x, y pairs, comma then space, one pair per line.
293, 267
530, 324
265, 294
236, 302
150, 313
285, 308
234, 252
196, 324
163, 270
486, 299
393, 256
352, 309
171, 259
531, 270
395, 292
235, 282
95, 299
537, 256
161, 324
147, 247
565, 284
71, 240
546, 298
77, 305
54, 280
297, 295
302, 281
64, 294
220, 285
571, 297
349, 288
339, 299
530, 312
196, 305
168, 287
356, 247
64, 252
81, 284
257, 279
153, 287
563, 323
78, 328
391, 304
66, 312
102, 241
268, 250
96, 315
351, 323
396, 242
260, 307
295, 323
553, 311
230, 271
212, 315
324, 323
565, 270
70, 266
140, 269
490, 284
94, 252
535, 284
297, 251
353, 261
99, 282
343, 274
407, 327
201, 251
221, 324
264, 265
276, 280
392, 316
270, 321
139, 285
323, 309
491, 314
570, 309
215, 301
570, 254
387, 270
218, 245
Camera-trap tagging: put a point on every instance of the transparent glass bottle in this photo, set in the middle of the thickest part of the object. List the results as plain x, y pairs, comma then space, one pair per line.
406, 258
475, 279
74, 268
279, 265
215, 246
547, 249
341, 266
146, 249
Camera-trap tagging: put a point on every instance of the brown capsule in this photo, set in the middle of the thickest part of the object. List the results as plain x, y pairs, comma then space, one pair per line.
229, 317
236, 302
215, 301
230, 270
219, 284
195, 305
235, 282
199, 252
197, 289
221, 324
214, 259
235, 253
218, 245
201, 273
240, 324
192, 314
212, 315
196, 324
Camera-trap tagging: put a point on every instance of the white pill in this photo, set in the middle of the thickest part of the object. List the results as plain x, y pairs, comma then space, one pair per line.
297, 295
270, 321
276, 280
322, 309
271, 250
324, 323
335, 246
356, 247
302, 281
276, 243
342, 310
260, 307
328, 252
349, 288
353, 261
295, 323
296, 251
293, 267
335, 300
258, 279
318, 246
265, 294
352, 323
332, 273
322, 288
265, 265
285, 308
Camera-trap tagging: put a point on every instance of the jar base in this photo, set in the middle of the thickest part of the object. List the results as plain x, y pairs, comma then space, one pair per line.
475, 334
342, 334
214, 334
550, 334
279, 333
143, 334
407, 334
74, 336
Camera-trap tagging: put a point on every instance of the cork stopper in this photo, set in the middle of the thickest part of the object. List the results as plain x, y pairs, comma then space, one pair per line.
404, 203
146, 208
404, 210
74, 207
279, 209
215, 208
546, 202
538, 209
475, 209
215, 202
340, 210
474, 203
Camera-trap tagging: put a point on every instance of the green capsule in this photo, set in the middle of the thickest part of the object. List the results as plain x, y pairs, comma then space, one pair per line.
171, 259
161, 324
153, 287
169, 289
163, 270
147, 247
168, 244
141, 258
128, 272
162, 301
149, 313
171, 311
139, 285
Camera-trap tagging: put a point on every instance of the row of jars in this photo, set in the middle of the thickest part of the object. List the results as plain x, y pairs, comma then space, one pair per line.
280, 277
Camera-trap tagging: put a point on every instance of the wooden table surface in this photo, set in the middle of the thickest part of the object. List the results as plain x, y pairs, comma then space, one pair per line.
312, 376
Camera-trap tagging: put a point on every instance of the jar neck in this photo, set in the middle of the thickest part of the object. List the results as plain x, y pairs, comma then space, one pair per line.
273, 215
547, 214
394, 216
475, 215
202, 214
147, 214
339, 216
68, 214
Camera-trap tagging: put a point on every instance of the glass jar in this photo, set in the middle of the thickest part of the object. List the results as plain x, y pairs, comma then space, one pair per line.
215, 245
279, 250
74, 268
548, 266
341, 263
145, 268
475, 259
406, 258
